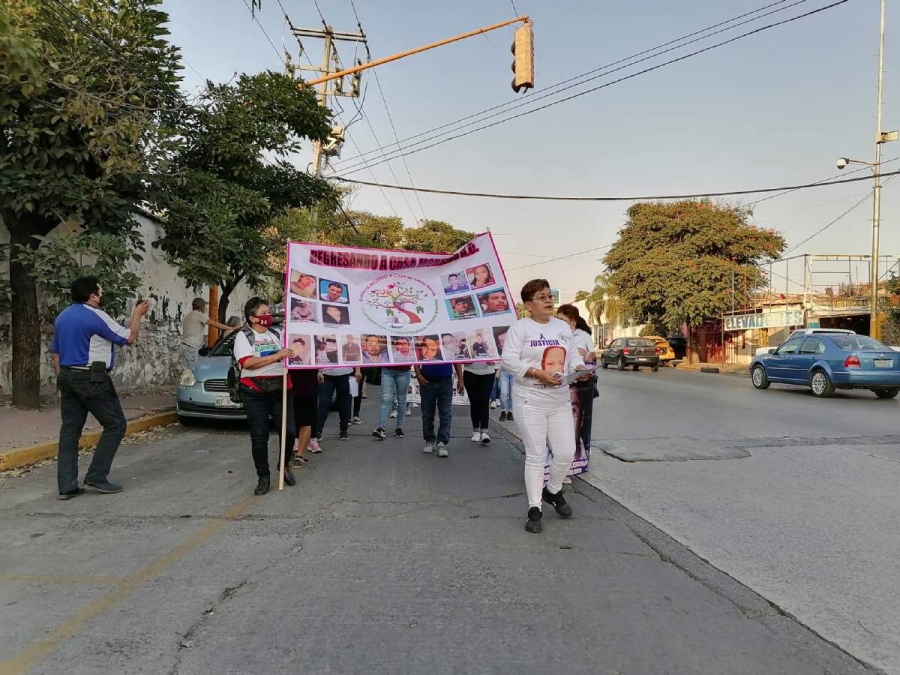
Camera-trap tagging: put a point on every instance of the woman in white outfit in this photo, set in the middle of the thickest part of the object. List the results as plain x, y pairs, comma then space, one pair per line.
538, 351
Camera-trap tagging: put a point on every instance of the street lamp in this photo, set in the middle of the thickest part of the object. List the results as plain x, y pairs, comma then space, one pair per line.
880, 139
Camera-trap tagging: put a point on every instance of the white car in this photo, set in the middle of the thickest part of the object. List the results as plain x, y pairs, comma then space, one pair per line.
810, 331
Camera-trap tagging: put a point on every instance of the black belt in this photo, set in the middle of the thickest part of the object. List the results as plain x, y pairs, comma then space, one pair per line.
85, 369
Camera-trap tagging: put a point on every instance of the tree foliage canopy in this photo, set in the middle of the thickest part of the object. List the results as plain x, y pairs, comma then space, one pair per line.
673, 262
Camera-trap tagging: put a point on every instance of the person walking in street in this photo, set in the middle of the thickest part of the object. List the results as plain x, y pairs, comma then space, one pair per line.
193, 331
539, 350
394, 386
479, 379
334, 384
582, 392
83, 349
305, 392
258, 352
436, 389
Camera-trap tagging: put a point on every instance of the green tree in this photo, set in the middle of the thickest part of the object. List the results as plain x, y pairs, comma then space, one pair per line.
371, 231
223, 200
673, 262
84, 87
602, 301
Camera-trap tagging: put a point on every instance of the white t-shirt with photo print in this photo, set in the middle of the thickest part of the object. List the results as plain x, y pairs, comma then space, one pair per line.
264, 344
542, 346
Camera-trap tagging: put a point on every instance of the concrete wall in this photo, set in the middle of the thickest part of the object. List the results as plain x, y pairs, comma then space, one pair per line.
152, 363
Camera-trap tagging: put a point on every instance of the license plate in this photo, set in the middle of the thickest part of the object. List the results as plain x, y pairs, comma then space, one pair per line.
225, 402
883, 363
643, 358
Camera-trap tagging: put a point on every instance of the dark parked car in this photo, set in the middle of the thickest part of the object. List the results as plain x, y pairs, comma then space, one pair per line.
634, 352
679, 345
826, 362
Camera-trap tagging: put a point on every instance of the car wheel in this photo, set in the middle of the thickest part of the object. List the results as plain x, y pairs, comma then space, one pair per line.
622, 364
821, 384
655, 368
604, 364
635, 368
887, 393
759, 378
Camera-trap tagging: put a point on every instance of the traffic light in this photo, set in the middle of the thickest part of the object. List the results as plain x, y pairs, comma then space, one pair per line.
523, 61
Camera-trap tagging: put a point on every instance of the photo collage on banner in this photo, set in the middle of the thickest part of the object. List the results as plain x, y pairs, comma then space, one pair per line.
370, 307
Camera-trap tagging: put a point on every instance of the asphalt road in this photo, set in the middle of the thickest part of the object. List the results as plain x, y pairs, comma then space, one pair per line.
382, 560
794, 496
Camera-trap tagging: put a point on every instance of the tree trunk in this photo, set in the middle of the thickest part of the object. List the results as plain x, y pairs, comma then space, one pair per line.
226, 291
26, 326
412, 316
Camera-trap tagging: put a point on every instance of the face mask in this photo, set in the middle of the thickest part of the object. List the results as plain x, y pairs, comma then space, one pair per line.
264, 320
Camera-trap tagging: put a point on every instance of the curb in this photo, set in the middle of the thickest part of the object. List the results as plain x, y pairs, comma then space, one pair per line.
29, 454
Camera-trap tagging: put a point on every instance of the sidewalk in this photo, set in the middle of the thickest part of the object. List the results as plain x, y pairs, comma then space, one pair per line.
381, 560
31, 435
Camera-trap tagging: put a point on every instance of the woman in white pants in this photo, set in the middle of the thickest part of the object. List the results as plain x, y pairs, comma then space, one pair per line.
538, 351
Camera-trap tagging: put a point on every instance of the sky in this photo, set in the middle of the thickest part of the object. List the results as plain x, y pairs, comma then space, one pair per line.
776, 108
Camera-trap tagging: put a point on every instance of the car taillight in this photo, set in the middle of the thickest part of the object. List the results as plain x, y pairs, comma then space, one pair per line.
657, 351
626, 351
852, 361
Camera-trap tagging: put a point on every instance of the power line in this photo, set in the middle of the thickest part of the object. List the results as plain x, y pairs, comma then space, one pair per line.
513, 3
262, 28
613, 82
518, 103
631, 198
319, 10
562, 257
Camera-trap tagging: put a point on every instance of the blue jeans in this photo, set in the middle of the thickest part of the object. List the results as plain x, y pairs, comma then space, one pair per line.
506, 387
438, 392
394, 385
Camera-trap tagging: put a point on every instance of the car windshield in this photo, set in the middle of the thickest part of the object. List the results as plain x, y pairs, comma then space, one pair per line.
853, 343
225, 346
640, 343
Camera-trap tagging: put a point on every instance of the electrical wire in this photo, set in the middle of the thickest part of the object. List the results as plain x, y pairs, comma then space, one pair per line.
262, 28
513, 3
629, 198
562, 257
548, 91
319, 10
613, 82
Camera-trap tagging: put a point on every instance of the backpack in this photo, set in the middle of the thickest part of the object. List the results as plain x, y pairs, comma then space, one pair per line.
234, 370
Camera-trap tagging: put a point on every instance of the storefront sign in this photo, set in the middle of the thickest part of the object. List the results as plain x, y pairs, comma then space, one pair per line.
768, 320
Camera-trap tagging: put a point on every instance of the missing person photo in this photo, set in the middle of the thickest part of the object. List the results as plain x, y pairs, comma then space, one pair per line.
303, 285
335, 315
500, 337
455, 282
351, 350
326, 350
303, 348
428, 347
493, 302
455, 346
480, 276
462, 307
375, 349
481, 344
402, 349
333, 291
303, 310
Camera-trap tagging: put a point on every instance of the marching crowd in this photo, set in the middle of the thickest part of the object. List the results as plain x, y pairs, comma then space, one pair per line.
534, 384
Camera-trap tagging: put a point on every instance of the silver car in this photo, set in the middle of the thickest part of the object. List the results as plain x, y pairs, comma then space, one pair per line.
203, 389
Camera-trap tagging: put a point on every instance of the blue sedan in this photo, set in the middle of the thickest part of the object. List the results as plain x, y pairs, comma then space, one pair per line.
827, 362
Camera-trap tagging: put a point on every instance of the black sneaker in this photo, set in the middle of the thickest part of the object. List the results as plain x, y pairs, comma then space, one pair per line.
289, 478
398, 432
71, 494
558, 502
345, 436
105, 487
379, 433
533, 524
509, 417
262, 487
503, 416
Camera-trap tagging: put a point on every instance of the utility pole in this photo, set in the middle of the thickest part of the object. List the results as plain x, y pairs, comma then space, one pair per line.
327, 85
876, 196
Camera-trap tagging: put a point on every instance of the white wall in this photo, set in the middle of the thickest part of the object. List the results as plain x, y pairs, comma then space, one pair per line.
152, 362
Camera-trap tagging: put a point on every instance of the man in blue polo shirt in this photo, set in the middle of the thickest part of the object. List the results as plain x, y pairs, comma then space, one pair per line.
83, 357
436, 386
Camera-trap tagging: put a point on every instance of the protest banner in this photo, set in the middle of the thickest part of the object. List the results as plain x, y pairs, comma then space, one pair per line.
359, 307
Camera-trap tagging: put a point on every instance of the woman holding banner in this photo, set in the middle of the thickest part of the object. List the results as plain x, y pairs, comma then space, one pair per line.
539, 350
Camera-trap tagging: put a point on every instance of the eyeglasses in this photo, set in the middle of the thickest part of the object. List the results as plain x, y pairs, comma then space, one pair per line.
542, 298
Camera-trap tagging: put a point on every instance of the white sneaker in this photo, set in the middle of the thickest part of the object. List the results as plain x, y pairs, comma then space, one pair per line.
428, 449
356, 420
476, 437
494, 405
485, 439
442, 450
393, 414
408, 411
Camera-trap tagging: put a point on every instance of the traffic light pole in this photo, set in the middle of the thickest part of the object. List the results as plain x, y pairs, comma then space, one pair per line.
372, 64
